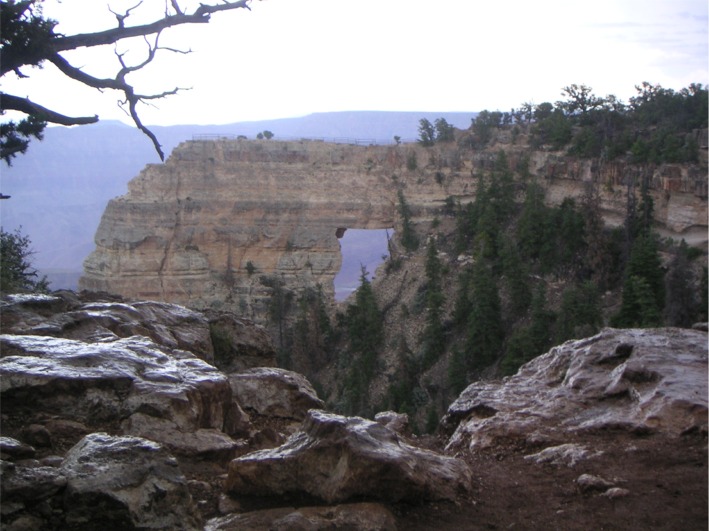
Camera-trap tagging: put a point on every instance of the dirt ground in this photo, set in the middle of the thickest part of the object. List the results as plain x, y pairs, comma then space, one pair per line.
666, 480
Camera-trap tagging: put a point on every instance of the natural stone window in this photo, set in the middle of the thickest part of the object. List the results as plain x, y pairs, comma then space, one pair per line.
359, 247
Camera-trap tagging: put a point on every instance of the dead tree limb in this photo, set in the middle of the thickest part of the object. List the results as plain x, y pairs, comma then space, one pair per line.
47, 46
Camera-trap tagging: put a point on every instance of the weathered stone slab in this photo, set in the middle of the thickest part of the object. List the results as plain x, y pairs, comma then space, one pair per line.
274, 392
125, 483
636, 380
103, 383
336, 458
66, 315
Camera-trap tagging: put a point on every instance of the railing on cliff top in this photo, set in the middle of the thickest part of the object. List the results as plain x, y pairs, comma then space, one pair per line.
334, 140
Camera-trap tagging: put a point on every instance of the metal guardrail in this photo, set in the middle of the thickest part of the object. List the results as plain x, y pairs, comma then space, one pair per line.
333, 140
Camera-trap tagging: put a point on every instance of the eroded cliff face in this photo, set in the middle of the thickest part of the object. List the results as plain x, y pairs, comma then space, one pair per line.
207, 226
227, 223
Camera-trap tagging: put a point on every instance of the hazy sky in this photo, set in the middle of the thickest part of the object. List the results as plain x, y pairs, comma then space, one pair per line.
294, 57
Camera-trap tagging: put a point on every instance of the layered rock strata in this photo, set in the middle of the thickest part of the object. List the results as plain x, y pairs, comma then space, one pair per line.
228, 223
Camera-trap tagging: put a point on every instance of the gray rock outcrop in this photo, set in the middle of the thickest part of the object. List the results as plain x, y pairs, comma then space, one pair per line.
275, 392
101, 383
238, 343
335, 459
126, 483
636, 380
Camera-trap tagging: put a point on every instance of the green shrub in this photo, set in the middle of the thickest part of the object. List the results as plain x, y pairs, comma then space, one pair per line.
16, 271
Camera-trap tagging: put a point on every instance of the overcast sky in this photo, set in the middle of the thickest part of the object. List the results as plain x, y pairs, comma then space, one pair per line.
289, 58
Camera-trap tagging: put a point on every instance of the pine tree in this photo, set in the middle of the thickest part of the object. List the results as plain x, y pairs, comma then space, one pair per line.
463, 302
501, 192
427, 133
494, 205
278, 309
485, 332
580, 313
408, 236
433, 338
569, 225
444, 131
595, 241
530, 341
431, 419
516, 279
532, 223
465, 222
313, 332
487, 233
16, 271
644, 288
365, 326
457, 372
543, 319
518, 351
681, 304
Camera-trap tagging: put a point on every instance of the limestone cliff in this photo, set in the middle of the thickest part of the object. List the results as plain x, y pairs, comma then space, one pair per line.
224, 223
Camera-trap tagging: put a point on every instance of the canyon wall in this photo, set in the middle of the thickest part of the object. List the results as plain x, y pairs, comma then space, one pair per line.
226, 223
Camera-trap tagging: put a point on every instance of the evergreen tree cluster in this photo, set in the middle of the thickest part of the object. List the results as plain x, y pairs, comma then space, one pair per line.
439, 131
654, 126
520, 246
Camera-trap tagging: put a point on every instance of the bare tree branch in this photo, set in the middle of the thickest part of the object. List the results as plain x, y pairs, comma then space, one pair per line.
119, 83
14, 103
81, 76
50, 45
62, 43
176, 7
121, 18
200, 16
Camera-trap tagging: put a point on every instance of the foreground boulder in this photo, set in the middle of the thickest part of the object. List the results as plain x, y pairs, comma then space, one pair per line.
44, 380
219, 338
65, 314
125, 483
637, 380
104, 482
335, 458
275, 392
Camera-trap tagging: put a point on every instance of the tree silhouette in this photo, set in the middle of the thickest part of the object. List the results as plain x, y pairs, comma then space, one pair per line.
427, 132
29, 40
16, 271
